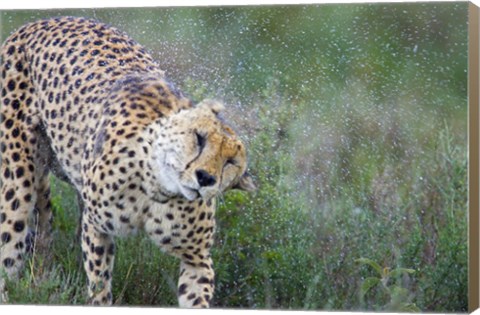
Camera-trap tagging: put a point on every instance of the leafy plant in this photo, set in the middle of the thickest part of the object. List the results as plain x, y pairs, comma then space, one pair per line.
387, 281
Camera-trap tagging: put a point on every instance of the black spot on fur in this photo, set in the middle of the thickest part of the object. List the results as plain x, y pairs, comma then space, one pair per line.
99, 250
15, 204
8, 262
18, 226
182, 289
6, 237
203, 280
9, 194
197, 301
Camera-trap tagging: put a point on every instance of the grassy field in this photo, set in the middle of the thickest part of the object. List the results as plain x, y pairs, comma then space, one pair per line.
355, 118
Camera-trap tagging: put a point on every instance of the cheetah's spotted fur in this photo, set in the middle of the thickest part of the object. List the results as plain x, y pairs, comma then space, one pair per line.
84, 101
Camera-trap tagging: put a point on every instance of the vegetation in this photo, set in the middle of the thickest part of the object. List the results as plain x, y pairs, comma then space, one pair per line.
355, 119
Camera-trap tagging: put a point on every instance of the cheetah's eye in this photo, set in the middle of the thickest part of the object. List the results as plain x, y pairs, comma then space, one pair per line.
201, 140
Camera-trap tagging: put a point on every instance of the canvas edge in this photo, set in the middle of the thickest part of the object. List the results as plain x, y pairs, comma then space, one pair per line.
473, 182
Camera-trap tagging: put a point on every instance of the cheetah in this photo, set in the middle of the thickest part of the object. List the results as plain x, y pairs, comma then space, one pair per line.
82, 100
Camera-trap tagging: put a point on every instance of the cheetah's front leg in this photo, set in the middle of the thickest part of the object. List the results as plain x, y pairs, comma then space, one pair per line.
98, 252
196, 284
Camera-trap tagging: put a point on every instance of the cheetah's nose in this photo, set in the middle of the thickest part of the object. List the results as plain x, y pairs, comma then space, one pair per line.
204, 179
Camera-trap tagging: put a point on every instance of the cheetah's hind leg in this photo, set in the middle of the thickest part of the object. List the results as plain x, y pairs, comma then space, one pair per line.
24, 184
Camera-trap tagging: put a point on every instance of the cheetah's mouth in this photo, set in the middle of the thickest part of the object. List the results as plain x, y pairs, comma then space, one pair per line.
190, 193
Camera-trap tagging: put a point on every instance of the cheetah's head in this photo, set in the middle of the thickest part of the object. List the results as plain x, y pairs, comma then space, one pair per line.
198, 156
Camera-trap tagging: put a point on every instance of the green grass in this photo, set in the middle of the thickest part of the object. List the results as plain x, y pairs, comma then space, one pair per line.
358, 145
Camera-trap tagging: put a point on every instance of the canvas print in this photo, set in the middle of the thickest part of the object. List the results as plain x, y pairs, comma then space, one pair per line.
295, 157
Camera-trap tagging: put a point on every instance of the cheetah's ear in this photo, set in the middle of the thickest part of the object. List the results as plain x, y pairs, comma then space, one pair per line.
213, 105
245, 183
